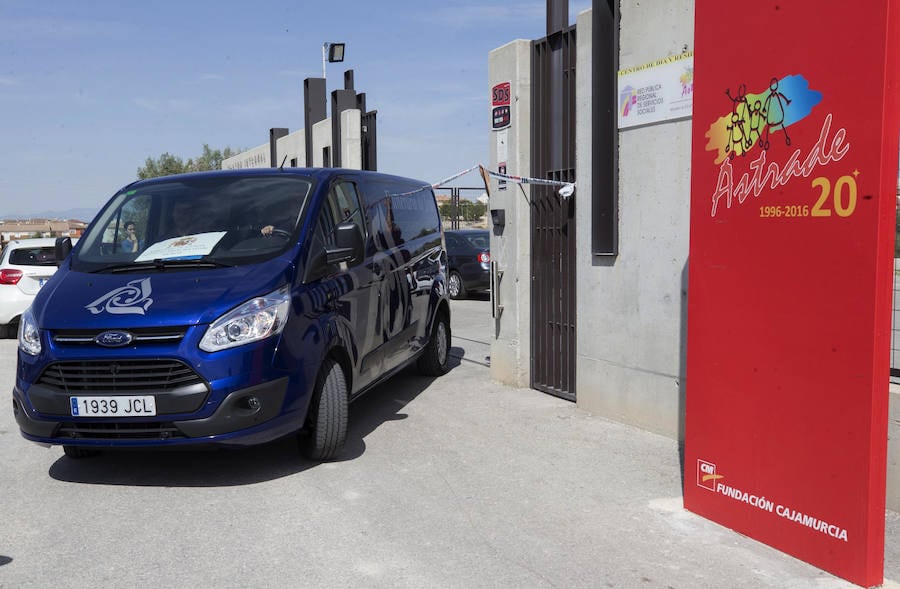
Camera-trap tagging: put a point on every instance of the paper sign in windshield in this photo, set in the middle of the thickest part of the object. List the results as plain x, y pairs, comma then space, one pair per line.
188, 246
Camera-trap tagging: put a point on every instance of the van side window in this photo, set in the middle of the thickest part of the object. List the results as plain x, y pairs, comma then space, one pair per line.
348, 205
341, 206
385, 231
127, 231
403, 216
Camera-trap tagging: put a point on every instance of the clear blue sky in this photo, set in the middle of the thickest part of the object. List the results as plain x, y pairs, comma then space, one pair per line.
89, 90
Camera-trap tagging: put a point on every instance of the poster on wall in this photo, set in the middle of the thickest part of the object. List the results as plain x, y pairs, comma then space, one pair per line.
662, 90
793, 180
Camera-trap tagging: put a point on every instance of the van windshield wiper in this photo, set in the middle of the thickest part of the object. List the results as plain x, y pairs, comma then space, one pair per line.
162, 264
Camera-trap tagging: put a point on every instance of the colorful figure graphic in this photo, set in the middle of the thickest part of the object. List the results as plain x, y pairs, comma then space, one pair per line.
687, 81
739, 140
627, 100
755, 116
773, 111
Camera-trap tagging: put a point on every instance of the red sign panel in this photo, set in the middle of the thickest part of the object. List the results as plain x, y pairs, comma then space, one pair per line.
500, 102
500, 94
794, 173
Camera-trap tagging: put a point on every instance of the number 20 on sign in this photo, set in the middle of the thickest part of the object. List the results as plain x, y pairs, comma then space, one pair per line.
839, 198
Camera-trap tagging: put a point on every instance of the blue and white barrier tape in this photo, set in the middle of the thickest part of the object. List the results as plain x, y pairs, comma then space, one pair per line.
566, 189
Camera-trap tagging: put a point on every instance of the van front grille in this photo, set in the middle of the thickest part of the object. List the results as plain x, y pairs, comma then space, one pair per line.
119, 376
141, 335
119, 431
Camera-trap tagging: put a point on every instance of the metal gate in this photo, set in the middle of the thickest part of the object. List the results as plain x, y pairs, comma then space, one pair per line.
552, 216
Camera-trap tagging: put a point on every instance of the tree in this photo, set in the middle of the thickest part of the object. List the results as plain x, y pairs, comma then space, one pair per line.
168, 164
209, 159
469, 211
472, 211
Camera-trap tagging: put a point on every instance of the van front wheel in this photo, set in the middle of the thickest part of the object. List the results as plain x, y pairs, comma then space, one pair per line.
326, 419
435, 358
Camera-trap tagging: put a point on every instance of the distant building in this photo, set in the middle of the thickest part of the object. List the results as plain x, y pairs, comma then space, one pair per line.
24, 229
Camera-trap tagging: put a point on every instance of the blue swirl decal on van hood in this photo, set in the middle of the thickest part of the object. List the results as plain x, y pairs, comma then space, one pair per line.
78, 300
133, 298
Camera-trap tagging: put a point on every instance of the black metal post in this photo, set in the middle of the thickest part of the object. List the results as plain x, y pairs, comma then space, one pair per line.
604, 129
314, 105
274, 135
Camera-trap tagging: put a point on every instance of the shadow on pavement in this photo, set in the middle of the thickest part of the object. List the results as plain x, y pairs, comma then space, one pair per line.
223, 467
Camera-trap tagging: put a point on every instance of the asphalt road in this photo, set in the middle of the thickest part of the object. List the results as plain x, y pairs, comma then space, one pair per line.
453, 482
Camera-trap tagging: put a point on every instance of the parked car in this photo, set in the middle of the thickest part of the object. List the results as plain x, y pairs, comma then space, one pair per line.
233, 308
469, 261
25, 266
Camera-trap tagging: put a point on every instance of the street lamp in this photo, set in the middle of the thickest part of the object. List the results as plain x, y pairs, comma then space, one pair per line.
334, 52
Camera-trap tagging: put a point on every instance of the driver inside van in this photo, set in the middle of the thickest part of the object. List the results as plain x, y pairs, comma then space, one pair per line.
283, 219
190, 217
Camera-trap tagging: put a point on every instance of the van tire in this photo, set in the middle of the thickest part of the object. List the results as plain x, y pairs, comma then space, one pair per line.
435, 359
78, 452
326, 419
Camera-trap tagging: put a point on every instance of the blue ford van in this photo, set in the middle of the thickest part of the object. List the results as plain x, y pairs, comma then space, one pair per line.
234, 308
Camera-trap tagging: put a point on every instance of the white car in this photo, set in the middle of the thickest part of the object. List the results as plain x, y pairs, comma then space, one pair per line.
25, 265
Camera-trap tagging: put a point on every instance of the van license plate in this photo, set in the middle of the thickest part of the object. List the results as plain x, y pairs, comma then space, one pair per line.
113, 406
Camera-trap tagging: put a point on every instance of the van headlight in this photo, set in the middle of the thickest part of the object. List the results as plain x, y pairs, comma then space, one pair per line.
29, 334
256, 319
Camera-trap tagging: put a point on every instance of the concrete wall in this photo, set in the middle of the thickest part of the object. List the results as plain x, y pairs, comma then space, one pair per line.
632, 307
258, 157
511, 248
293, 147
321, 132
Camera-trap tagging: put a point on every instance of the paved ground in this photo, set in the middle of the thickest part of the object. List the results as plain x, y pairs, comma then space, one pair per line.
454, 482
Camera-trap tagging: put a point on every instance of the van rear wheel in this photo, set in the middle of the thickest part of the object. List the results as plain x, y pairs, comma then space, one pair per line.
435, 359
326, 420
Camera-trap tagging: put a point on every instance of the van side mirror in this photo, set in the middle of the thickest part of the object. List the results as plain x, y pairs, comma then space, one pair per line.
348, 245
61, 249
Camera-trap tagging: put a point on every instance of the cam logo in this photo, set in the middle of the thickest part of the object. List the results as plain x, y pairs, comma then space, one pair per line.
706, 475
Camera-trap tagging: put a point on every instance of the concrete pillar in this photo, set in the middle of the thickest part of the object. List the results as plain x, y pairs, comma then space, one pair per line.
321, 138
351, 139
511, 245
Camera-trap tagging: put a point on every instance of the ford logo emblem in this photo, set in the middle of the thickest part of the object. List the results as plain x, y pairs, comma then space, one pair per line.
114, 339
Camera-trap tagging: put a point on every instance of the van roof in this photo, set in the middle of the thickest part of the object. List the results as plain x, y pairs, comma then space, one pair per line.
319, 174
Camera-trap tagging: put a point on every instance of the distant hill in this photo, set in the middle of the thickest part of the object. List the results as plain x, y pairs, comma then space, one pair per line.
78, 214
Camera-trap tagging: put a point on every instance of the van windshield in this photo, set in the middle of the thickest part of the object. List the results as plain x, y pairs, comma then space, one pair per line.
216, 219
